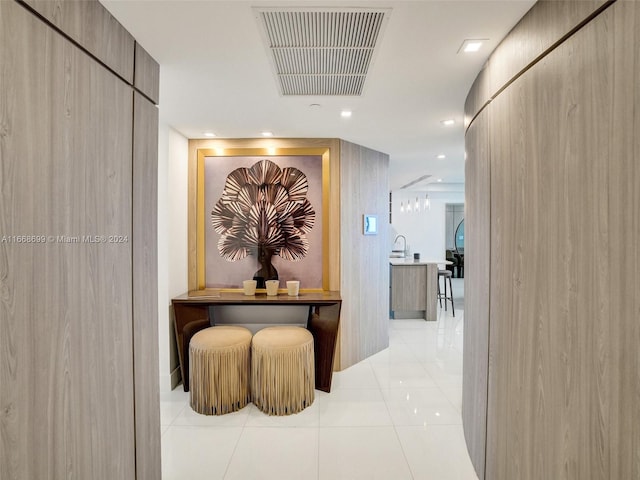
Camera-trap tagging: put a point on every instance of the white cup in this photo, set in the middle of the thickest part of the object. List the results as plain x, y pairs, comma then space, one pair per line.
272, 287
293, 288
249, 287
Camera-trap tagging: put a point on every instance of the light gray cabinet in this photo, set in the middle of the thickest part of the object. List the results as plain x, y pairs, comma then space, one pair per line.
78, 377
414, 290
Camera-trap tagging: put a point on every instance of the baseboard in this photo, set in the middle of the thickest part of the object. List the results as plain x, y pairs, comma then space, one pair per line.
170, 381
176, 377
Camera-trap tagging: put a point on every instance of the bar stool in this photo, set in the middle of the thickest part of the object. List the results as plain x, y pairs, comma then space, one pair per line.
282, 370
446, 274
219, 360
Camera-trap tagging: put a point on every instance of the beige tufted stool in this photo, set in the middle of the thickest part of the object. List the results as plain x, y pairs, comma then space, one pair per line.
219, 369
282, 370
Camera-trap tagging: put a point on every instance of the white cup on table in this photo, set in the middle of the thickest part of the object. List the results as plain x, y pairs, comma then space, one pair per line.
249, 287
272, 287
293, 288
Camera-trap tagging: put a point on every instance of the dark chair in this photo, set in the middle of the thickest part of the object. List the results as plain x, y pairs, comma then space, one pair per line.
446, 274
451, 257
189, 330
460, 258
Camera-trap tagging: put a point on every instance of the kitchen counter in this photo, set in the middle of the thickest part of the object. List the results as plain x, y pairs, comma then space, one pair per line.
414, 287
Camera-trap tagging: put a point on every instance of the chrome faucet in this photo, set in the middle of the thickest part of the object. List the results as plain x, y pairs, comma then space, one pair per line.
404, 248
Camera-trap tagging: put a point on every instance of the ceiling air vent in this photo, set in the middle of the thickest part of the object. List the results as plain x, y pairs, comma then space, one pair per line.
321, 51
413, 183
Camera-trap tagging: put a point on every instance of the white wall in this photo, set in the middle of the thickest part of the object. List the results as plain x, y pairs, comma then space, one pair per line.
424, 230
172, 243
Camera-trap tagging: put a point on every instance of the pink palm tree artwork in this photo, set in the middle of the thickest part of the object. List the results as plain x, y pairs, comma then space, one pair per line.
263, 211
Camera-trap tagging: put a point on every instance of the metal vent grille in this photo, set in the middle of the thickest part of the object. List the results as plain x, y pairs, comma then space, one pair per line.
322, 52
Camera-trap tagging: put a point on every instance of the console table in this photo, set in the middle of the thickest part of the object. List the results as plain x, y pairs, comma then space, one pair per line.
322, 322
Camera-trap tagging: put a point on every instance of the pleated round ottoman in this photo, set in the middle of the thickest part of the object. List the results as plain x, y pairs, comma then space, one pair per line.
282, 370
219, 372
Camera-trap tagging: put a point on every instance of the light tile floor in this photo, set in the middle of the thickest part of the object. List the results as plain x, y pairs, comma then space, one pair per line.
393, 416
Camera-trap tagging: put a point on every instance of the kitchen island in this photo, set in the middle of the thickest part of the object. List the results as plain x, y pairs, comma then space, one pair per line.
414, 287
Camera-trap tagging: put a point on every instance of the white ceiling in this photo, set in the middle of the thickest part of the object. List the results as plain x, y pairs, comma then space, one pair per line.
215, 76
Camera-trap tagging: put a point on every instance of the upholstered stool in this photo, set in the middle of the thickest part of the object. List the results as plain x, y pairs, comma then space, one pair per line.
282, 370
219, 369
446, 274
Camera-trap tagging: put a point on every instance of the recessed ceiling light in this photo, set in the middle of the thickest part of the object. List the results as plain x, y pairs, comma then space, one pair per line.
471, 45
209, 134
345, 113
267, 134
439, 179
448, 122
441, 156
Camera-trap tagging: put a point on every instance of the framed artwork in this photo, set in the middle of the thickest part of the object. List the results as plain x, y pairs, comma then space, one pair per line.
262, 216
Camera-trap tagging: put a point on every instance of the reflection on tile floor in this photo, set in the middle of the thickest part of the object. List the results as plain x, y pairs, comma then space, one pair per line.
395, 415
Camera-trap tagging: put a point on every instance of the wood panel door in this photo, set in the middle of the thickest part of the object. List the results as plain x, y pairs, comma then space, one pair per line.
145, 288
66, 369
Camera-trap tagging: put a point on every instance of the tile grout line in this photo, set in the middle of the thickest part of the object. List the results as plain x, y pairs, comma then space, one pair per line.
235, 447
395, 430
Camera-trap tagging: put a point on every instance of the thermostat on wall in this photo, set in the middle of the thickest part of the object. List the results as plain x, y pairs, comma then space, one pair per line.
370, 224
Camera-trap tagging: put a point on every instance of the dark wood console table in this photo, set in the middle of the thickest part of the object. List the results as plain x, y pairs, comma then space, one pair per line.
323, 320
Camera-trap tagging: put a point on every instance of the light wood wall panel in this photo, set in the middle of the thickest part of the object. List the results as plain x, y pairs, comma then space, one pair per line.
89, 24
145, 288
66, 376
147, 74
564, 331
624, 255
477, 275
364, 261
550, 326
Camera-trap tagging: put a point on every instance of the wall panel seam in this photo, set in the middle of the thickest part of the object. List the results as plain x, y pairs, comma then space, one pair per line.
73, 41
541, 56
486, 410
133, 276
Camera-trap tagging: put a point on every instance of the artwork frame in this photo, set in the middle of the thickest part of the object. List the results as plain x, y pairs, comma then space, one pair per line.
203, 212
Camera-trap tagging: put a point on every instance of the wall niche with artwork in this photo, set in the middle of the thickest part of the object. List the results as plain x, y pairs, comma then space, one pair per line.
344, 181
